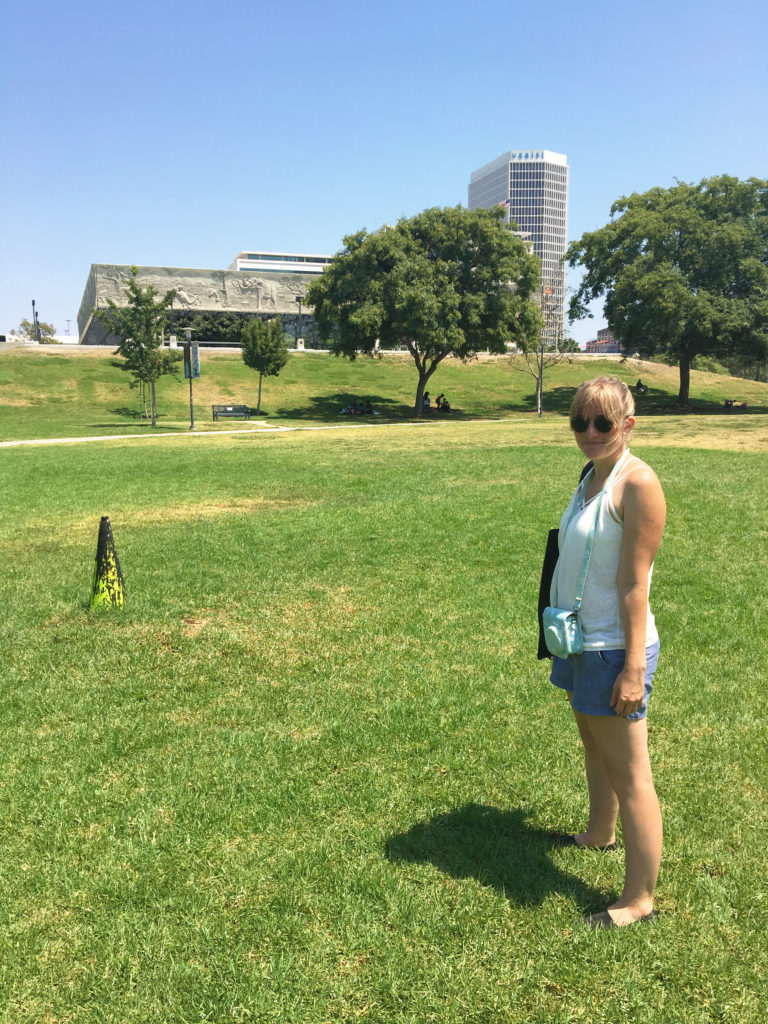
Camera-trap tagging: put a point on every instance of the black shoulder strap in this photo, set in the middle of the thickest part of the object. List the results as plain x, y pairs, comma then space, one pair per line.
547, 572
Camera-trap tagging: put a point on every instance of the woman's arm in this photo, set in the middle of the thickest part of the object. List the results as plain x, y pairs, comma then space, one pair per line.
645, 512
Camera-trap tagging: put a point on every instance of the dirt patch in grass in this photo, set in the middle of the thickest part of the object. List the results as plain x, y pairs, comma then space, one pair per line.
108, 391
191, 626
71, 531
26, 351
15, 400
209, 510
735, 433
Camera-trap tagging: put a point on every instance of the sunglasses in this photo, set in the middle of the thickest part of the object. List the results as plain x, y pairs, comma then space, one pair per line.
602, 424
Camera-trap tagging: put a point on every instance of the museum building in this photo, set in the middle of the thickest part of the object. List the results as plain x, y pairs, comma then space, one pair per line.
257, 284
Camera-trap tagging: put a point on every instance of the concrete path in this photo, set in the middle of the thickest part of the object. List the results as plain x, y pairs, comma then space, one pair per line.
210, 433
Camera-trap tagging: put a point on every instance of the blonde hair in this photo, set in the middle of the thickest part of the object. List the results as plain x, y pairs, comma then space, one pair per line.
612, 394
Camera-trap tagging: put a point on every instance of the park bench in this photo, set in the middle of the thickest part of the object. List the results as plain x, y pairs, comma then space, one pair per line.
231, 412
731, 404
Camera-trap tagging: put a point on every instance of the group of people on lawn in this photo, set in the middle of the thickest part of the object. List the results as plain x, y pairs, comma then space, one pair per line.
441, 403
356, 408
359, 408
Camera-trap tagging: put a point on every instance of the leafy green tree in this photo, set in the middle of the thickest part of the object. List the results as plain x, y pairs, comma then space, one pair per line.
745, 367
445, 282
139, 326
225, 328
26, 332
684, 271
264, 349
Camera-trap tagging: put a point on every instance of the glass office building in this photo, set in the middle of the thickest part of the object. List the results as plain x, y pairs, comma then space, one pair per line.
532, 185
280, 262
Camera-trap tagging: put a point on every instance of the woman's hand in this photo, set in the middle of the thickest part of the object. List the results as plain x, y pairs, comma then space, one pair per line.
628, 691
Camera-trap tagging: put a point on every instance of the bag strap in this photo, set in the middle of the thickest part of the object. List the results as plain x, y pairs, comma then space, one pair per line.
592, 529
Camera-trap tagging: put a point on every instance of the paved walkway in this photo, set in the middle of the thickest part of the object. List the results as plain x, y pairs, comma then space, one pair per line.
210, 433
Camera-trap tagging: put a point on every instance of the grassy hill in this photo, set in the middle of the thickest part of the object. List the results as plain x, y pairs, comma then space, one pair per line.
51, 392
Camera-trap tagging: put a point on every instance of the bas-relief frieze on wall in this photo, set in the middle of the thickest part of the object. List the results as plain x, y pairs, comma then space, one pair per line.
224, 291
209, 290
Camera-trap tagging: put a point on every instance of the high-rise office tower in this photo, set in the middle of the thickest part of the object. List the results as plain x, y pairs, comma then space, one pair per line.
532, 185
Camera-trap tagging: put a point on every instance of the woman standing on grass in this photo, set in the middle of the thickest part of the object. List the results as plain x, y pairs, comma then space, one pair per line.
608, 685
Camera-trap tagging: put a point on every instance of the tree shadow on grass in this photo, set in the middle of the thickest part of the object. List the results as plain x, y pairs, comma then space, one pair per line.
652, 402
497, 848
138, 421
328, 408
557, 399
129, 414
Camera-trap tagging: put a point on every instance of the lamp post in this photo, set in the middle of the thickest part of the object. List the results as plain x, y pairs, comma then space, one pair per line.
35, 324
191, 370
298, 322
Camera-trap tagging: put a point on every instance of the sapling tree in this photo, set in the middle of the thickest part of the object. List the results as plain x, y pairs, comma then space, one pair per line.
264, 349
549, 348
140, 326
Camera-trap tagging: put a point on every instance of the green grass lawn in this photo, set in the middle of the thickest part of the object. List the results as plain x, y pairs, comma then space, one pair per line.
308, 774
50, 392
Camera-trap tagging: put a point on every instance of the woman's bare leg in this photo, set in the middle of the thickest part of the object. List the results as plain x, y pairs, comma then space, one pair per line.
603, 802
623, 747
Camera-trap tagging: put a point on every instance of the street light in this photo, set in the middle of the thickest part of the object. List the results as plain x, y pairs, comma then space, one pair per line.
35, 324
191, 370
298, 322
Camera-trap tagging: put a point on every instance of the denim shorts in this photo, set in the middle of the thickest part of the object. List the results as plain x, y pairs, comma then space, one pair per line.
591, 676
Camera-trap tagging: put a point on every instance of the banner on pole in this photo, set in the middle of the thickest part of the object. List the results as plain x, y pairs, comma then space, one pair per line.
191, 360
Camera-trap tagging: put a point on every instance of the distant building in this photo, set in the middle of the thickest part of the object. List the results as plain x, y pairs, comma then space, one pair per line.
604, 343
217, 292
532, 185
280, 263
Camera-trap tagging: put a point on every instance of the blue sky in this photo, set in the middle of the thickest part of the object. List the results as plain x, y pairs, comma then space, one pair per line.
177, 134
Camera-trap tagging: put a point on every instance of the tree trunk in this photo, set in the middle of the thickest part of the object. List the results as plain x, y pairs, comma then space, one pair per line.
685, 379
424, 373
540, 384
258, 404
419, 407
154, 405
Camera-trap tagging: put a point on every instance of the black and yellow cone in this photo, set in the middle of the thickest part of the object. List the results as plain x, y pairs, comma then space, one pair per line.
108, 585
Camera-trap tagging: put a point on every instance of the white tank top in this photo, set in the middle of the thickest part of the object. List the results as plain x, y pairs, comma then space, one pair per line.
599, 614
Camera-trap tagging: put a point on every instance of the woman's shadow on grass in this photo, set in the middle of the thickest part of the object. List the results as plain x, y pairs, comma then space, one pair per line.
499, 849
